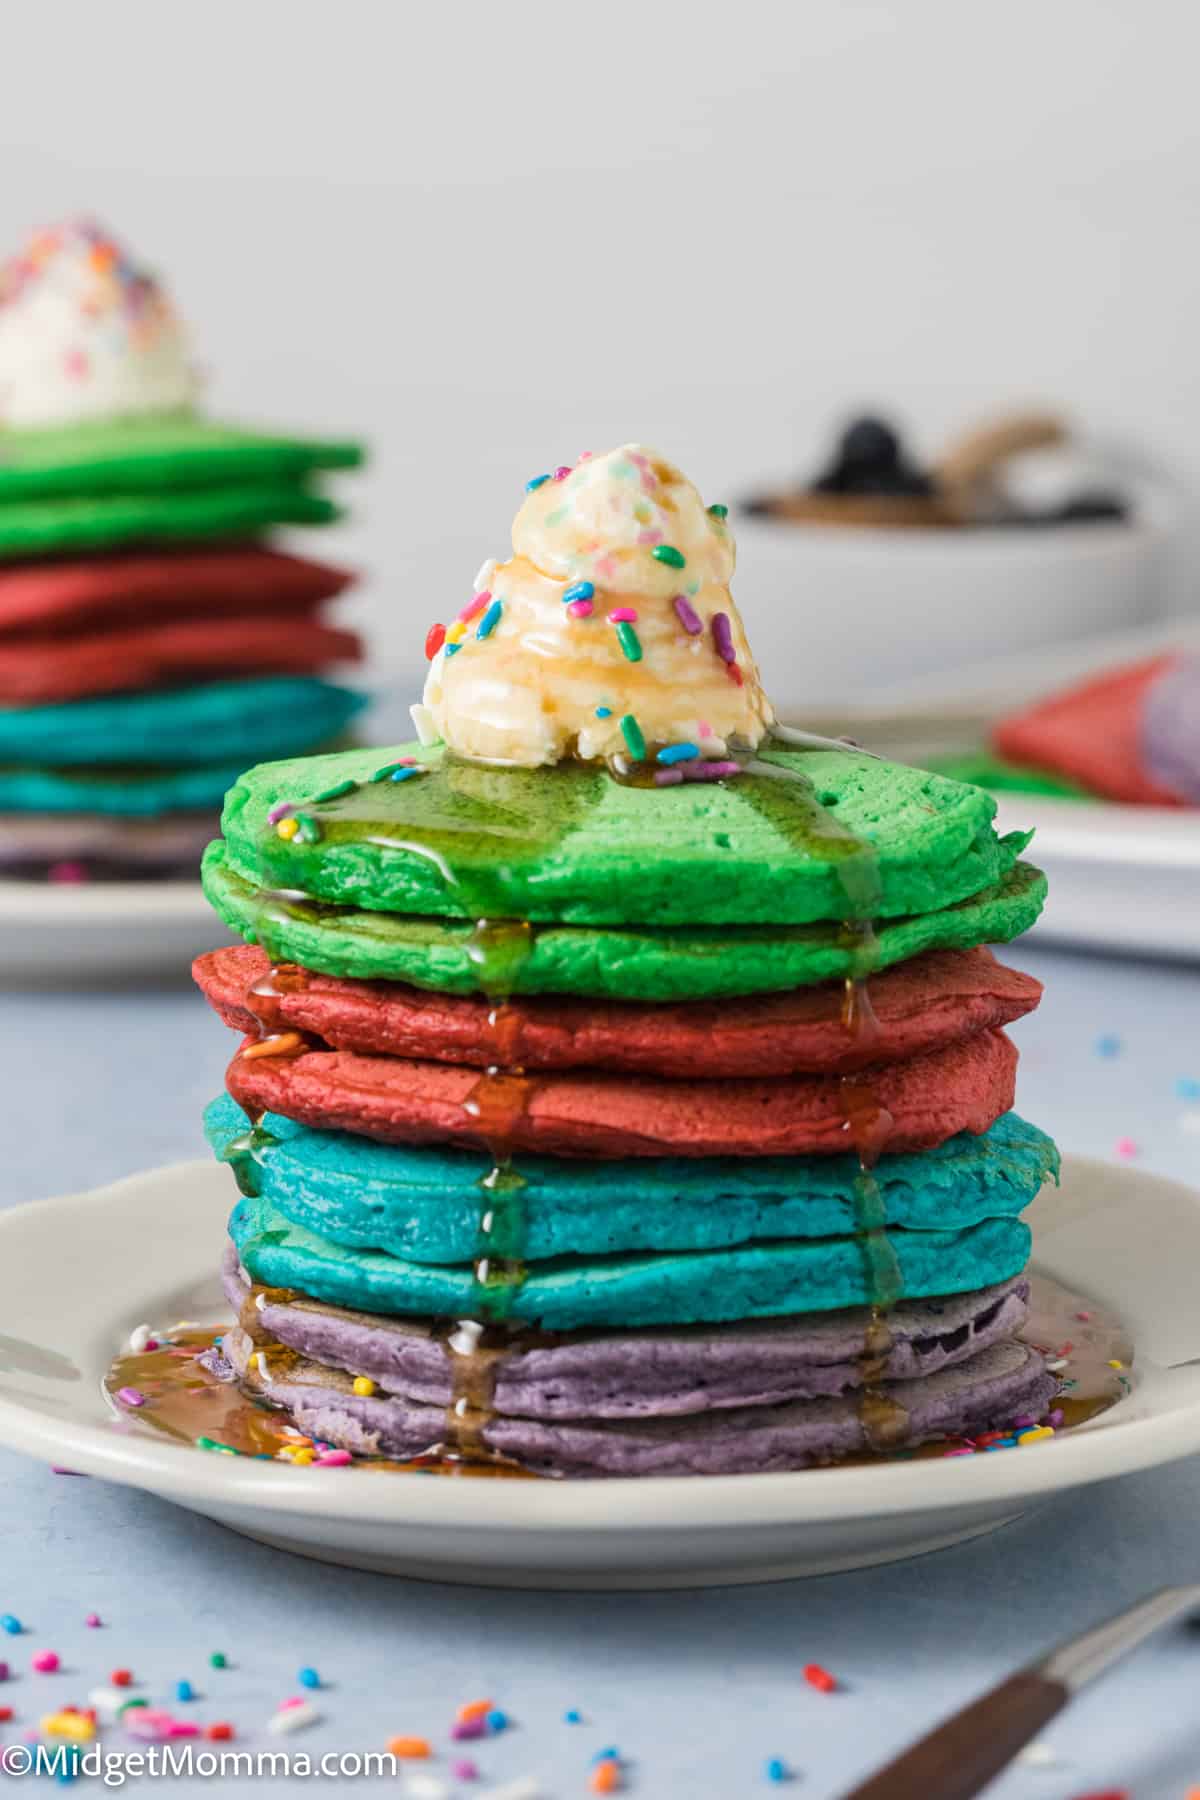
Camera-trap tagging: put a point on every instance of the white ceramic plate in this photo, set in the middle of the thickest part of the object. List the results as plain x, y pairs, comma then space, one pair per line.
1123, 878
103, 930
1127, 1240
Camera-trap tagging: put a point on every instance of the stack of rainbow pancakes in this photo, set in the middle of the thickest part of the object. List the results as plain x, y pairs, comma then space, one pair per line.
624, 1089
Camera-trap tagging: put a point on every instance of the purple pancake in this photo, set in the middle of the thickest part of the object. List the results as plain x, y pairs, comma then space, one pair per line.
989, 1390
89, 847
648, 1373
1171, 729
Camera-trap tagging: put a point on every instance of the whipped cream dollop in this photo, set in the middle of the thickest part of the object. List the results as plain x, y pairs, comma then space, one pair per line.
85, 333
610, 633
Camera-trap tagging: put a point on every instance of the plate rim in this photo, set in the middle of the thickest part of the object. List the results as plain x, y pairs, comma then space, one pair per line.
588, 1505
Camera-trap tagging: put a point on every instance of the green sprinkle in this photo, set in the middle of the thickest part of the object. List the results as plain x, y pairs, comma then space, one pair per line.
667, 553
718, 511
309, 831
334, 793
629, 641
206, 1443
556, 517
217, 1660
127, 1704
623, 470
387, 771
631, 731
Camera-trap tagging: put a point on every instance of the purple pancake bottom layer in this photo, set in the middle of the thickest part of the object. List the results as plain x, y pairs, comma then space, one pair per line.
642, 1374
992, 1388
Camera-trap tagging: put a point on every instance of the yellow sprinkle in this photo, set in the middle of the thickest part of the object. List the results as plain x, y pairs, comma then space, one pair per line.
304, 1456
1114, 1364
69, 1725
252, 1359
363, 1384
287, 828
1036, 1436
456, 631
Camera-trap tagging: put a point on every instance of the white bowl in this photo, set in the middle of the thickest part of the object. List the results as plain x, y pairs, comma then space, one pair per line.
832, 611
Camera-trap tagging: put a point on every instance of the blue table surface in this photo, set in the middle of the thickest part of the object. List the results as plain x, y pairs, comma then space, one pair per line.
698, 1690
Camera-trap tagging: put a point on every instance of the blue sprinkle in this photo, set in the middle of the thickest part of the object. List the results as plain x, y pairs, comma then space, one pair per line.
612, 1754
11, 1624
777, 1770
1108, 1046
496, 1721
604, 712
405, 774
572, 1717
678, 753
309, 1678
184, 1691
490, 619
452, 649
579, 590
1187, 1089
535, 483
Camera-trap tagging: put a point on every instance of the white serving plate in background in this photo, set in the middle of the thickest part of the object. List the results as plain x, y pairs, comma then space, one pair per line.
102, 931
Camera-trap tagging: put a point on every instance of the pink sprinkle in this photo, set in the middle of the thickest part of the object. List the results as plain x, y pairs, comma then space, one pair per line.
75, 363
668, 777
464, 1730
334, 1459
585, 455
182, 1728
152, 1344
623, 615
296, 1700
650, 534
475, 605
92, 1620
1125, 1147
45, 1661
277, 812
708, 771
465, 1770
1085, 1316
704, 728
967, 1450
561, 471
131, 1396
638, 457
1056, 1417
68, 872
581, 609
689, 618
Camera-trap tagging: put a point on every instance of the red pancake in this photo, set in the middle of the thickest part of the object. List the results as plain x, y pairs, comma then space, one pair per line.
922, 1102
57, 596
1093, 734
920, 1005
37, 669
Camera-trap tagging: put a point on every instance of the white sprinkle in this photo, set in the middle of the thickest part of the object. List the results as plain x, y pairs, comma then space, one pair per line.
484, 578
1038, 1755
292, 1718
139, 1338
1056, 1363
525, 1787
419, 1785
108, 1701
424, 726
260, 1300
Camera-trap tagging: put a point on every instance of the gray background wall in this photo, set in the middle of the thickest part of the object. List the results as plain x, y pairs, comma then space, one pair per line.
489, 236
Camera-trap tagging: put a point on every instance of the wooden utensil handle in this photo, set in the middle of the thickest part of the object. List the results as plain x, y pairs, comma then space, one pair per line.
961, 1756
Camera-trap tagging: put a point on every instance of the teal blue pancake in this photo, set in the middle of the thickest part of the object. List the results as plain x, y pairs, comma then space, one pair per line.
798, 836
637, 963
681, 1288
179, 727
140, 794
424, 1204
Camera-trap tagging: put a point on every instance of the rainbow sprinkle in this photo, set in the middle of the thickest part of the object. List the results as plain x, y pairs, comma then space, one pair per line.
723, 637
689, 618
631, 731
678, 753
579, 590
536, 482
630, 643
667, 553
623, 615
490, 619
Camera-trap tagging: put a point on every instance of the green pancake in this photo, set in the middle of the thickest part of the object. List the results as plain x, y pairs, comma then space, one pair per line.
169, 450
620, 963
58, 525
798, 836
